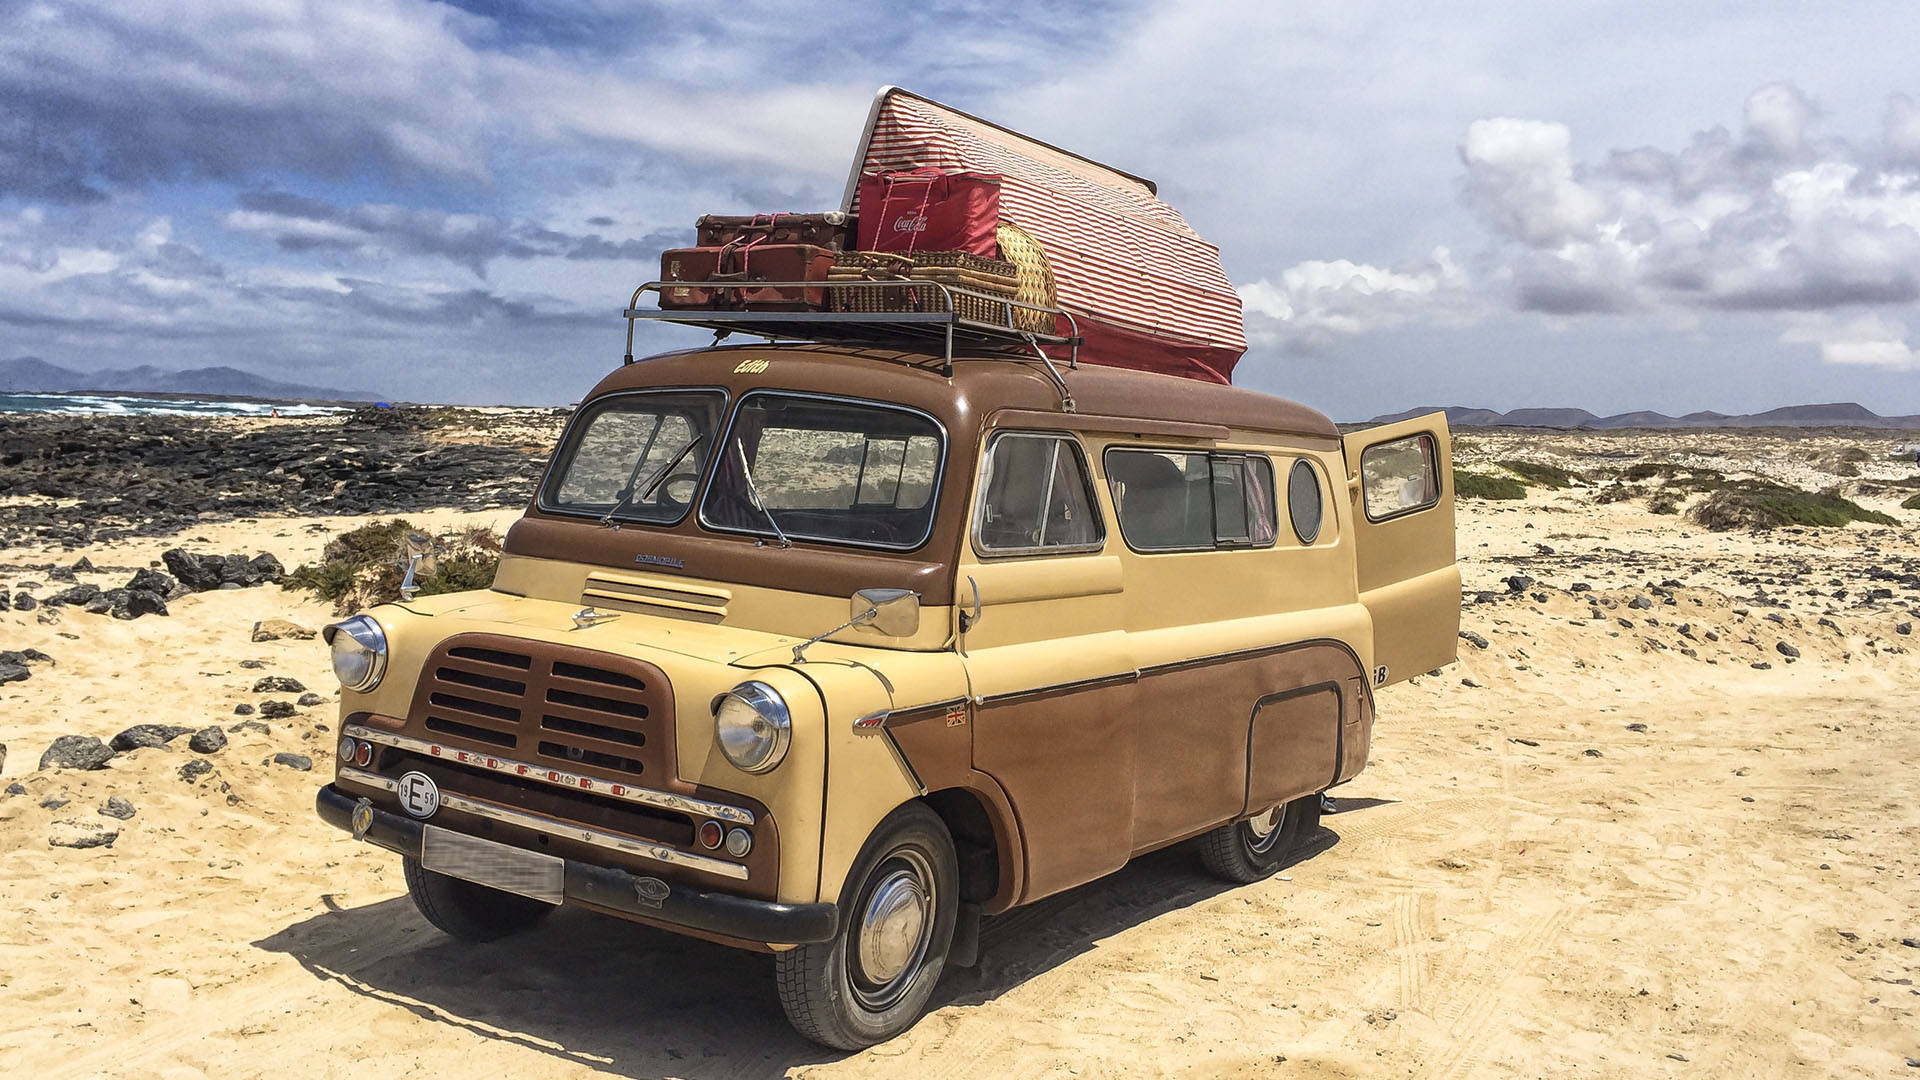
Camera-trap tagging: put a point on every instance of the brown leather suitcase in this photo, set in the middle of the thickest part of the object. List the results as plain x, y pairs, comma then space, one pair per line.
722, 277
830, 230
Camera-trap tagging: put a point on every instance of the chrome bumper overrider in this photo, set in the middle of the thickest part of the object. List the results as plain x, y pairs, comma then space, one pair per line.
549, 826
543, 775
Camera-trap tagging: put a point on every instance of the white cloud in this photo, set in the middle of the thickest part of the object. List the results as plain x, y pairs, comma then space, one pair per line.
1315, 303
1777, 117
1520, 172
1867, 341
1784, 221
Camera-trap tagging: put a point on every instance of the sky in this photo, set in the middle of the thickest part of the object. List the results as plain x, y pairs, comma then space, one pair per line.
1601, 205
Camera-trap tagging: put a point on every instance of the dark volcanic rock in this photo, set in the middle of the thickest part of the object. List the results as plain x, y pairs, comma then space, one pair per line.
278, 684
13, 673
140, 735
204, 573
195, 769
294, 761
243, 709
1473, 639
252, 725
138, 602
151, 476
153, 581
277, 710
77, 596
1787, 650
76, 752
308, 701
207, 740
24, 601
117, 807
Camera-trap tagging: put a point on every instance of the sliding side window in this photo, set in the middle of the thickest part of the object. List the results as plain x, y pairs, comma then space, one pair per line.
1170, 500
1036, 496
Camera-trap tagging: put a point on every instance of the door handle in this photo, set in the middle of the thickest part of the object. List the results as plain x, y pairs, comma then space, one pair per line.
969, 620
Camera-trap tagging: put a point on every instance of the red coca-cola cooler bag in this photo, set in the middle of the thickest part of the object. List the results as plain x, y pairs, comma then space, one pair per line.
929, 209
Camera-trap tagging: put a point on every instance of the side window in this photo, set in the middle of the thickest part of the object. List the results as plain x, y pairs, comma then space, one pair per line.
1036, 496
1170, 500
1399, 477
1303, 500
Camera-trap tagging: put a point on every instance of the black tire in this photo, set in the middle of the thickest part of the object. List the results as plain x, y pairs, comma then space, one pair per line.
468, 911
1240, 852
828, 995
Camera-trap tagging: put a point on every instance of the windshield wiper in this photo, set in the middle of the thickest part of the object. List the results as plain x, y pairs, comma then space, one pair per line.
753, 494
635, 493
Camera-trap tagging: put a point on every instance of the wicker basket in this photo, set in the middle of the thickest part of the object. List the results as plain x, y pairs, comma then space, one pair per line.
1035, 278
954, 269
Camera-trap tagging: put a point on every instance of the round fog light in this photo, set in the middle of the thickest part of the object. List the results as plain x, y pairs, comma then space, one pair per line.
710, 834
739, 842
347, 747
363, 756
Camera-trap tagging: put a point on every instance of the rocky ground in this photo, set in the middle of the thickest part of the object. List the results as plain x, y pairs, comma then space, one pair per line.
1660, 819
69, 480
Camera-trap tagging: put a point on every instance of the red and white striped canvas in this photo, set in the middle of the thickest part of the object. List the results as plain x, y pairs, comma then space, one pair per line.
1146, 290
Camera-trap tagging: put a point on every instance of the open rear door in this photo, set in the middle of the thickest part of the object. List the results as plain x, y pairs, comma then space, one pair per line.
1401, 479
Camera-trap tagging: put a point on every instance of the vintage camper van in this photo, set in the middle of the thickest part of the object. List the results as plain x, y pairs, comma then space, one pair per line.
829, 650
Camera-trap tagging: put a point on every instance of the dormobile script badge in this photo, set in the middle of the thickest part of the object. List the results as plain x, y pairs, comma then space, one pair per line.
660, 560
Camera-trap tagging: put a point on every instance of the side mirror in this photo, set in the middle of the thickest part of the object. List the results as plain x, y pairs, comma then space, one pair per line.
895, 612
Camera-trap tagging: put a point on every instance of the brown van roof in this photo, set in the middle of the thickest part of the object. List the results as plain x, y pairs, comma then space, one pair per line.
979, 385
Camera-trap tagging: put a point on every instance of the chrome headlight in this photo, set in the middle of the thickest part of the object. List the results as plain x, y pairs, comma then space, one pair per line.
752, 726
359, 652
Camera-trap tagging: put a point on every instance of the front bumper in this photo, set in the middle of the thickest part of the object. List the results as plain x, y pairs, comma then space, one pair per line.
606, 887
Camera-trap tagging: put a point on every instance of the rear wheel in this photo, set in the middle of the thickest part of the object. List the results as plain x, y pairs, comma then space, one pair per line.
1246, 851
897, 911
468, 911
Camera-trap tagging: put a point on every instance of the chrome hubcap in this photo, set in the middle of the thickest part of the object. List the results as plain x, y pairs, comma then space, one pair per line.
895, 926
1263, 830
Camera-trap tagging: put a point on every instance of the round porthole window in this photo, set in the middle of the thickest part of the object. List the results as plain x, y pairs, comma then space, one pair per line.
1303, 501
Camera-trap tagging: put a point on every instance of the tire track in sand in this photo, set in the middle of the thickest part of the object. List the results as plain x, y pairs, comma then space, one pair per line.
1470, 1015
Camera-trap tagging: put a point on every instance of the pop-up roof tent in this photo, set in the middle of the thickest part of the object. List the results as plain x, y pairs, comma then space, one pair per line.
1145, 290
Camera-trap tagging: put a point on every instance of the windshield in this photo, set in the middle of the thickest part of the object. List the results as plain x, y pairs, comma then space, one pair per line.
636, 457
818, 469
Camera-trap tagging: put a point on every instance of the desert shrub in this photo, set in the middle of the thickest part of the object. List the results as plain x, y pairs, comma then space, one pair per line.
1759, 504
1686, 477
1855, 454
1664, 501
1912, 503
365, 566
1540, 474
1467, 485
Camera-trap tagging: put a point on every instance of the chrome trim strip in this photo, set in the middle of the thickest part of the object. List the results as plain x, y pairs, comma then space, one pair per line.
361, 776
550, 827
1116, 678
555, 777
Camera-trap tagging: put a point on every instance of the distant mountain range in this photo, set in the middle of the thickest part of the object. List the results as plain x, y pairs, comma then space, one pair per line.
1839, 414
31, 375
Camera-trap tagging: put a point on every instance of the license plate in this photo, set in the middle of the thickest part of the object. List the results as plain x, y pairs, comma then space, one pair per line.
500, 866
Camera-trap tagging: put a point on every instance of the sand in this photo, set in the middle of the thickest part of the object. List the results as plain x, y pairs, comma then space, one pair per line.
1521, 884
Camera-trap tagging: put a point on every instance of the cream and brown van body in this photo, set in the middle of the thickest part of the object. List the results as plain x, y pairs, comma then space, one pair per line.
1062, 709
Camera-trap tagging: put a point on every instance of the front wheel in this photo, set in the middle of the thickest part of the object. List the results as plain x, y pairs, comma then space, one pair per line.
469, 911
897, 911
1247, 851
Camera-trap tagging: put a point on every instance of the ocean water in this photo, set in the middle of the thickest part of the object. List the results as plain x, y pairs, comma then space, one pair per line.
139, 405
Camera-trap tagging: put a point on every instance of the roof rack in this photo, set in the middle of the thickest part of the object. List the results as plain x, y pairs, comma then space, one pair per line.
944, 328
